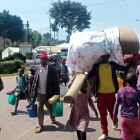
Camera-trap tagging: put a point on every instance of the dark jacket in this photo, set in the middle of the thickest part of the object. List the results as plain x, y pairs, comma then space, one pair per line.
52, 83
95, 73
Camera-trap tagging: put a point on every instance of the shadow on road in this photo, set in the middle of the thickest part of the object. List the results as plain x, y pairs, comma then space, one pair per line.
61, 127
110, 138
21, 112
94, 119
57, 127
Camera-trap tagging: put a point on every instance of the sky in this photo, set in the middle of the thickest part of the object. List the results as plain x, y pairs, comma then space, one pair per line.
105, 13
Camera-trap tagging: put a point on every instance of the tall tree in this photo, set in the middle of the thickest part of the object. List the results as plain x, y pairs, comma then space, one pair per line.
35, 38
54, 29
47, 40
70, 15
11, 26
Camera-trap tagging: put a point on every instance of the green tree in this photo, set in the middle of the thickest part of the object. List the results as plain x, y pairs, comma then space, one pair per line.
47, 40
35, 38
55, 30
11, 26
70, 15
16, 33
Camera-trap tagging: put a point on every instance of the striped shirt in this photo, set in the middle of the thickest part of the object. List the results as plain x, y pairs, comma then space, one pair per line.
43, 72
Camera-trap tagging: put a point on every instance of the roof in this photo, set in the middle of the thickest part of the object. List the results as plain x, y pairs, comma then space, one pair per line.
63, 46
13, 49
47, 49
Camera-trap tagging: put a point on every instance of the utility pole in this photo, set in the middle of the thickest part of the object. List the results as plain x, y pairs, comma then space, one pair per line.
27, 25
4, 40
27, 31
50, 15
50, 22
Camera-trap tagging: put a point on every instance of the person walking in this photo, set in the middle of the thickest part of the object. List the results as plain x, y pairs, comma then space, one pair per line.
1, 88
20, 90
45, 85
106, 85
64, 72
79, 116
129, 99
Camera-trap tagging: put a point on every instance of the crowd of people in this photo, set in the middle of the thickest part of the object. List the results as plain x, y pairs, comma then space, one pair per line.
110, 88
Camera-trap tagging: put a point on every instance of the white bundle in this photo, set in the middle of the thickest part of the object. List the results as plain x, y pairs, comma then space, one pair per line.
86, 48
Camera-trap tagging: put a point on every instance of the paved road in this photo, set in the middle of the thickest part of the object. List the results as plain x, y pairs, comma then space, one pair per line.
21, 127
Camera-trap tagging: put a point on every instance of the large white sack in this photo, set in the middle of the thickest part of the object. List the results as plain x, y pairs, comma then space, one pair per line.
86, 48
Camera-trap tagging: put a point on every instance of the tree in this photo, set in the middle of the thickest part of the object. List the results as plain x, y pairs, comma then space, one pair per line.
16, 32
35, 38
11, 26
54, 29
47, 39
70, 15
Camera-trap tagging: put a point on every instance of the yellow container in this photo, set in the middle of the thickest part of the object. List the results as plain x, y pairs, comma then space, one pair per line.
53, 99
74, 89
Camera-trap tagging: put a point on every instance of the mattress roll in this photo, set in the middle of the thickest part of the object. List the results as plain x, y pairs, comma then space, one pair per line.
53, 99
128, 40
74, 89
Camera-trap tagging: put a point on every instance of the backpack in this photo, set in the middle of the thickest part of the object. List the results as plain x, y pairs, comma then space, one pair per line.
1, 84
23, 95
23, 79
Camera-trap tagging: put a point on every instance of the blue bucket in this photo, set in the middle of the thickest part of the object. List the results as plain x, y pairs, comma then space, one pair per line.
32, 111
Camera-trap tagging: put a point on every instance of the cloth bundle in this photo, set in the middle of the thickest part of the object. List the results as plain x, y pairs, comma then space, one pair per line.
86, 48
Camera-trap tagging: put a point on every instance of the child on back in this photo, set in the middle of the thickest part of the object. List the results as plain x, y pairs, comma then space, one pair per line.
128, 97
79, 116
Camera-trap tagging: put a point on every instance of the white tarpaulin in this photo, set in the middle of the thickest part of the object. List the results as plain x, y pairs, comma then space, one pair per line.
9, 51
85, 48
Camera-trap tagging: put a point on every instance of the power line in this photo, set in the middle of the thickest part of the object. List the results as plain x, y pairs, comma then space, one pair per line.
34, 11
104, 3
92, 4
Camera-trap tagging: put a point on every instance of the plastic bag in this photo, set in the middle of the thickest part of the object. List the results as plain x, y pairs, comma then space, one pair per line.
12, 99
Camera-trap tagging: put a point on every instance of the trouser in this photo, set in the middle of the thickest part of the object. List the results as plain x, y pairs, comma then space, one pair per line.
130, 128
41, 98
105, 103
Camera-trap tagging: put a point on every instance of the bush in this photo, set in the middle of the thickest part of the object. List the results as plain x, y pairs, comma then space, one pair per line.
8, 67
15, 56
29, 55
19, 56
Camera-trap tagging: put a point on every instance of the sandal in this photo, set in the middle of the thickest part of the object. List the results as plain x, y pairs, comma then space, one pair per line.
54, 121
39, 129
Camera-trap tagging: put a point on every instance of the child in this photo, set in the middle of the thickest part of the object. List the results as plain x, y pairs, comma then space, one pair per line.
20, 89
64, 72
29, 88
79, 116
120, 80
129, 97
